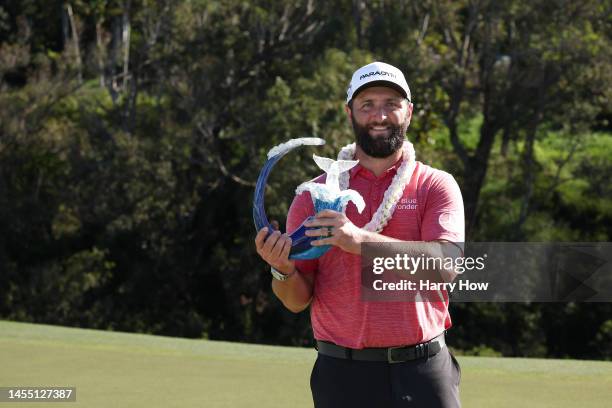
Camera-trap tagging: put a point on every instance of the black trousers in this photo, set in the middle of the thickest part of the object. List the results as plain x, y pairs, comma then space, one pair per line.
424, 383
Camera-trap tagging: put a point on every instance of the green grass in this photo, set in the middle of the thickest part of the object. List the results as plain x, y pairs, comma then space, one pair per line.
131, 370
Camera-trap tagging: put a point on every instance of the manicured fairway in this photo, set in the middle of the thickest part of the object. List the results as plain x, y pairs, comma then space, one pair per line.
130, 370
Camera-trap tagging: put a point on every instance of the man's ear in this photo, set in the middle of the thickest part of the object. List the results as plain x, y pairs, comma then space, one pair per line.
349, 113
409, 112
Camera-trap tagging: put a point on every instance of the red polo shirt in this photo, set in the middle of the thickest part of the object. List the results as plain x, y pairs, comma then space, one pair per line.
430, 209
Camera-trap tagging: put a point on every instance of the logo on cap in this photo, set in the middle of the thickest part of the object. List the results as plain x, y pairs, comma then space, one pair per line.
381, 73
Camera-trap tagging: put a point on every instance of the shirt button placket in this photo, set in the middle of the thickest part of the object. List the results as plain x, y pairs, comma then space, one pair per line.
376, 196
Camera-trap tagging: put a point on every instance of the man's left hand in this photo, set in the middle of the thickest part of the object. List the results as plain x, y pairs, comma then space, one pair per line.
337, 230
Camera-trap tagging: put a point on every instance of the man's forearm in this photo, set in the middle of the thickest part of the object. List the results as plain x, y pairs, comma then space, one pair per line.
295, 292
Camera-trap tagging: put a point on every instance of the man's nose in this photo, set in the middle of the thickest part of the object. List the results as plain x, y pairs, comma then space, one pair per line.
379, 114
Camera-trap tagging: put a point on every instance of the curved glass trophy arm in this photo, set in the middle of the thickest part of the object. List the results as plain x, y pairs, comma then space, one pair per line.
300, 242
259, 213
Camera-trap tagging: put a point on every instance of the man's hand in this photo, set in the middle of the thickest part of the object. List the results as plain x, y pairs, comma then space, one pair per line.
344, 234
275, 250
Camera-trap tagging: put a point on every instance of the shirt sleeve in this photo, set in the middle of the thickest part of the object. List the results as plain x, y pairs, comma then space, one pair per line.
301, 208
444, 218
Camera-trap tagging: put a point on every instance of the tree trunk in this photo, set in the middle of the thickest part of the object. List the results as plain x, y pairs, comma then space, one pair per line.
113, 56
65, 28
100, 51
475, 173
357, 17
529, 164
529, 177
75, 42
125, 38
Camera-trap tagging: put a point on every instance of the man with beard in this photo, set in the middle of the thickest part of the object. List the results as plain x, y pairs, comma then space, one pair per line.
374, 354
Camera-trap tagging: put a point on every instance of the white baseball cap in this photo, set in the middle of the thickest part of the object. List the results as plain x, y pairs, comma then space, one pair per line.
377, 73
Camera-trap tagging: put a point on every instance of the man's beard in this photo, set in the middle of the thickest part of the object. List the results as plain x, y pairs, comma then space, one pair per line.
380, 146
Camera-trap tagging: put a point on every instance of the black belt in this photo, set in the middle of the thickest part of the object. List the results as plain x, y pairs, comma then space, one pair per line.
389, 354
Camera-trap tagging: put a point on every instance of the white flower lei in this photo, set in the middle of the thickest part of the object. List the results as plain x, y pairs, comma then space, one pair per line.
394, 192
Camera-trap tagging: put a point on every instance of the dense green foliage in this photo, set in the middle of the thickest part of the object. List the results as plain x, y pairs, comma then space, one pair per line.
132, 133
